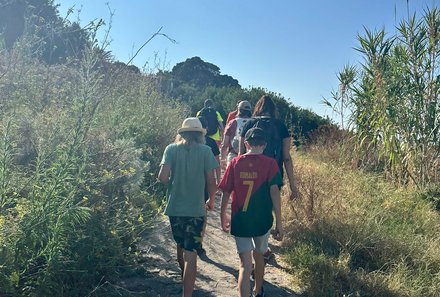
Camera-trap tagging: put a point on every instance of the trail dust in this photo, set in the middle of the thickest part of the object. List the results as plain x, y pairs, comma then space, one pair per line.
217, 271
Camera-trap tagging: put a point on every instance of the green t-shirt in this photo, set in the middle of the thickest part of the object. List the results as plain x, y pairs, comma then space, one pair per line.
189, 165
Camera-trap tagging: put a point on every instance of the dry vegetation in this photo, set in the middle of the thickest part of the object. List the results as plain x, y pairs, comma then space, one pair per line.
355, 234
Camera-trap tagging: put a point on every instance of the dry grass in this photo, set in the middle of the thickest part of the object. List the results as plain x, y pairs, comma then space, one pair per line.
353, 234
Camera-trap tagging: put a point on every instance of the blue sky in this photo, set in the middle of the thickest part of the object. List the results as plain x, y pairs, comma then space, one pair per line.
291, 47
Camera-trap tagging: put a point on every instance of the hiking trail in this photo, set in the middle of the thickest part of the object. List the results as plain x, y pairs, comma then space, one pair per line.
217, 271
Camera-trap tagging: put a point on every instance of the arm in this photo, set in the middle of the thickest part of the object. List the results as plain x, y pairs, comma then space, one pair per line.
212, 189
276, 202
217, 171
224, 149
164, 174
224, 219
288, 165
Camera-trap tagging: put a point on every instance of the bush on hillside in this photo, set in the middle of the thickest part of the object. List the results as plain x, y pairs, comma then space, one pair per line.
206, 81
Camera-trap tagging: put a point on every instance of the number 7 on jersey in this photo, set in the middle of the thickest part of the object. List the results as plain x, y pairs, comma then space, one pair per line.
250, 184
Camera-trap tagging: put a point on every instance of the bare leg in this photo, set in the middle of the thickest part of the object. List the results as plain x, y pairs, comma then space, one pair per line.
244, 286
259, 271
180, 259
204, 225
189, 273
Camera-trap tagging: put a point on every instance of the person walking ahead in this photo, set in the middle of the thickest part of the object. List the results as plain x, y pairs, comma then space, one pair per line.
186, 166
278, 143
216, 152
278, 138
254, 180
215, 126
231, 138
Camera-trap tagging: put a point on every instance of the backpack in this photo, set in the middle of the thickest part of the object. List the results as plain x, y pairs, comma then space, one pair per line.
235, 141
274, 142
211, 119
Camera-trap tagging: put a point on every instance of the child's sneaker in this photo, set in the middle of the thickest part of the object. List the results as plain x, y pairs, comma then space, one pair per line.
268, 255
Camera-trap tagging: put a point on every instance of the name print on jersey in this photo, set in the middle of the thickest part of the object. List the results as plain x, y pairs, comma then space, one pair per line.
248, 175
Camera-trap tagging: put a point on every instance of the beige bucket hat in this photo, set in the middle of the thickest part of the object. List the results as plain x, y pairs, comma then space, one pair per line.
192, 125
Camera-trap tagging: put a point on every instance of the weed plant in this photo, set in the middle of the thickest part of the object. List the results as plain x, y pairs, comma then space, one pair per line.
79, 146
354, 234
391, 100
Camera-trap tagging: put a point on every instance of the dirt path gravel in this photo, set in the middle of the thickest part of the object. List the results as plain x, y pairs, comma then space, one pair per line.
217, 271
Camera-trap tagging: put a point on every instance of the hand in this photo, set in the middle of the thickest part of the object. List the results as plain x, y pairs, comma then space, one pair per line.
277, 233
209, 205
294, 193
226, 223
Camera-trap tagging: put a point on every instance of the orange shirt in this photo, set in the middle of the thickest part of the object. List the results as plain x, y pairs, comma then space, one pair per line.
232, 115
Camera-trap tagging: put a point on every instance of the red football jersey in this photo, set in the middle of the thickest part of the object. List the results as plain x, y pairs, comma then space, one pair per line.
249, 178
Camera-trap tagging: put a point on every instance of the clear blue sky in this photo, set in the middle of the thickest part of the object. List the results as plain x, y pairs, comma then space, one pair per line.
291, 47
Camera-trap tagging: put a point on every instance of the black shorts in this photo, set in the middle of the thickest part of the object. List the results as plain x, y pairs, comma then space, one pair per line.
187, 232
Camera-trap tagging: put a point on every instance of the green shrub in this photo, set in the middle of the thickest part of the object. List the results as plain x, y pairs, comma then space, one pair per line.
79, 151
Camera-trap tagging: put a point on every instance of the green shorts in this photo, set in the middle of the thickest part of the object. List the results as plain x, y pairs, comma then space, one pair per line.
187, 232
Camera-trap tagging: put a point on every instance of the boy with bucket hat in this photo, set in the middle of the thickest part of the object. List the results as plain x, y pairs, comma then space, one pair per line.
187, 164
254, 180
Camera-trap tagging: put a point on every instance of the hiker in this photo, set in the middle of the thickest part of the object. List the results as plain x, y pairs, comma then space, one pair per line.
232, 115
231, 137
187, 164
215, 121
254, 181
278, 142
215, 150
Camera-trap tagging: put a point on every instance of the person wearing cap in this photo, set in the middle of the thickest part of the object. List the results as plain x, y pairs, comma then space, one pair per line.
231, 137
186, 166
279, 143
254, 180
217, 126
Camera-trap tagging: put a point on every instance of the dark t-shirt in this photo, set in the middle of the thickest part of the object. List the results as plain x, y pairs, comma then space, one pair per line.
283, 133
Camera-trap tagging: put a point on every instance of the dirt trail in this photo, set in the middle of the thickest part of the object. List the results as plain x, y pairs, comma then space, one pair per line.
217, 271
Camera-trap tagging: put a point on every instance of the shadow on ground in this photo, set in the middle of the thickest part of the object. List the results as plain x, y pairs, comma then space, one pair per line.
217, 270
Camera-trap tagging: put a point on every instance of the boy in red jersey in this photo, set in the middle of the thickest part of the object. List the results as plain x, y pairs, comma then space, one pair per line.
254, 181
